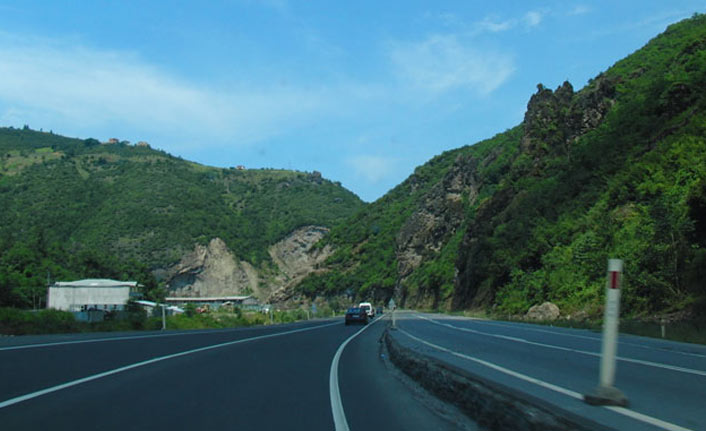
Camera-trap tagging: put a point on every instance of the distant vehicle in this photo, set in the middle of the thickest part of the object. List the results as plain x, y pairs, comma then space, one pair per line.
379, 310
356, 315
368, 308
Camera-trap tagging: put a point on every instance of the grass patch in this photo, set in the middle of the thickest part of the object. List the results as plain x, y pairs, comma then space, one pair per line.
14, 321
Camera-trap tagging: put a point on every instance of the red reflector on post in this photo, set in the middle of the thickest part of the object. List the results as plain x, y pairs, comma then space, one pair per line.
615, 280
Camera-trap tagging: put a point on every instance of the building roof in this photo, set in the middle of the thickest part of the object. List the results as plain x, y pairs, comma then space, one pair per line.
95, 282
207, 299
147, 303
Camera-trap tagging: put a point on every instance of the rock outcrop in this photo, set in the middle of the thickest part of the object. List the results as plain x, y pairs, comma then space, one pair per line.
213, 270
553, 123
555, 119
296, 257
438, 217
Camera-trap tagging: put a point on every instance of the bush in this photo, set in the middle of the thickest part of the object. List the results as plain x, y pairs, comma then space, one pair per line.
21, 322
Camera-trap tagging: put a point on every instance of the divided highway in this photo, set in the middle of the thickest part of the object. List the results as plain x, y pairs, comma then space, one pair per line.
323, 375
664, 381
273, 377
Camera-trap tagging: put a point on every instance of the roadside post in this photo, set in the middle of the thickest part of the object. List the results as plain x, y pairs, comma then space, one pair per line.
606, 393
391, 306
663, 324
164, 316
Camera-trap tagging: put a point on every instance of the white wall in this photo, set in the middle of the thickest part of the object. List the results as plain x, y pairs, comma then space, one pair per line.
73, 298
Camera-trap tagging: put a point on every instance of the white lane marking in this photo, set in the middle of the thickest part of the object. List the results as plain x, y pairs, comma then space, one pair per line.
49, 390
339, 416
525, 327
567, 349
632, 414
130, 337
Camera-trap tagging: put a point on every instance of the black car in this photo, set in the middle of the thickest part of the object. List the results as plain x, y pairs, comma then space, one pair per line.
356, 315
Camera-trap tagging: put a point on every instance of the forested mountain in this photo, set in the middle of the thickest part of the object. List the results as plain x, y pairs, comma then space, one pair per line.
615, 170
73, 208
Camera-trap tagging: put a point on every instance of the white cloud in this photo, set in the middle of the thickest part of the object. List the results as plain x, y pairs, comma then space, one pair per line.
532, 18
372, 169
579, 10
60, 83
493, 26
441, 63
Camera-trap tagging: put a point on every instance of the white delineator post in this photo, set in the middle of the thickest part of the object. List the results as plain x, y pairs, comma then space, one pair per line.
391, 305
606, 393
610, 322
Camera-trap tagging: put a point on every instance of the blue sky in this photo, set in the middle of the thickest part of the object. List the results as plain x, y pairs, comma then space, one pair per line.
362, 91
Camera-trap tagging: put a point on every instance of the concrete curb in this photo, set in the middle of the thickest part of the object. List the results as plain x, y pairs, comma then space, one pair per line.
494, 407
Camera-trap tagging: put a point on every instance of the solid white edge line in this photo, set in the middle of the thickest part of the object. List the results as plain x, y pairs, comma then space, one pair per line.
339, 415
629, 413
525, 327
45, 391
568, 349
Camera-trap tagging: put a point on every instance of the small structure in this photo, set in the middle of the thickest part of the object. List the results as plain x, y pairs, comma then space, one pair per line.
240, 167
212, 302
90, 294
143, 144
154, 309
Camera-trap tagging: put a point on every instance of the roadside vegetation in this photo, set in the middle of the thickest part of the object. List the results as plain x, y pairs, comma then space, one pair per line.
14, 321
75, 209
554, 198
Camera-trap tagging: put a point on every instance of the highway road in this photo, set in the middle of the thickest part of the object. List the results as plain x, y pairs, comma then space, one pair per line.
316, 375
664, 381
323, 375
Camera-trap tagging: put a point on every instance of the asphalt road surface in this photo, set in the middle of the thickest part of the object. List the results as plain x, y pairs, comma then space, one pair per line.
664, 381
262, 378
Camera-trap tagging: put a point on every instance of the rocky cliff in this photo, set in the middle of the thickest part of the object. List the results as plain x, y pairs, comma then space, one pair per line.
531, 214
214, 270
438, 217
553, 124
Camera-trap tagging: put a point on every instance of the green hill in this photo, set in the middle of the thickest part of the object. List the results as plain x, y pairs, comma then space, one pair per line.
77, 208
615, 170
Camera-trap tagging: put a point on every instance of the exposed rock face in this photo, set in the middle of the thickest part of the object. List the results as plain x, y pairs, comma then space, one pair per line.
296, 258
546, 311
554, 121
293, 255
438, 217
213, 270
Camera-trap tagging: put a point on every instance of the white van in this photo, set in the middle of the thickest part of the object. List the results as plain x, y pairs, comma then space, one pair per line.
368, 308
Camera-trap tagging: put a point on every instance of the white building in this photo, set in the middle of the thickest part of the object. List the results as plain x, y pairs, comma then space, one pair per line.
91, 294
